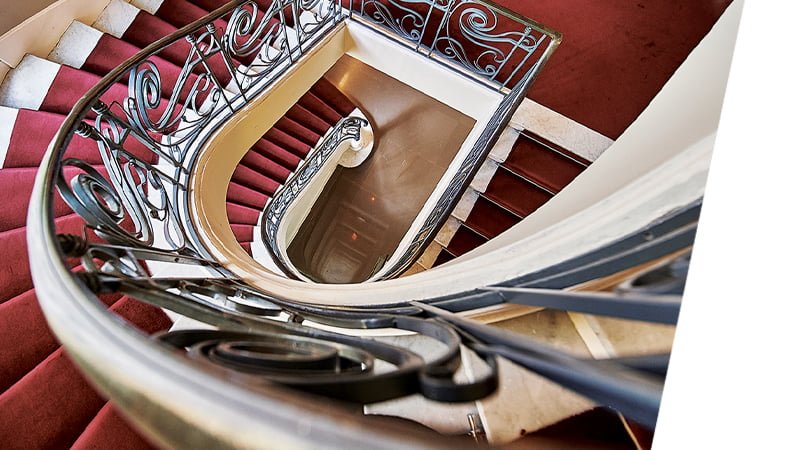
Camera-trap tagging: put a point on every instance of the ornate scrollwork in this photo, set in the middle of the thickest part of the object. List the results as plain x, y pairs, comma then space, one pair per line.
478, 37
338, 365
402, 18
481, 41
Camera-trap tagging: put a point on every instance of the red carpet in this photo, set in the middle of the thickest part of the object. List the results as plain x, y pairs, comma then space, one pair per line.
533, 172
268, 164
616, 54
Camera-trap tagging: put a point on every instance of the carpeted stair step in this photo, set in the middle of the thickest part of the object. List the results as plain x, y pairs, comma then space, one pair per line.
140, 28
515, 193
443, 257
24, 331
277, 154
43, 85
25, 135
464, 240
333, 97
244, 215
287, 141
265, 166
308, 119
88, 49
59, 403
242, 195
17, 185
176, 12
180, 13
319, 108
243, 233
543, 164
15, 274
490, 219
254, 180
298, 131
109, 430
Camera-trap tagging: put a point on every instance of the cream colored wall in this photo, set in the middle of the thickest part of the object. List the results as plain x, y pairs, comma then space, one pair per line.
218, 159
15, 12
39, 33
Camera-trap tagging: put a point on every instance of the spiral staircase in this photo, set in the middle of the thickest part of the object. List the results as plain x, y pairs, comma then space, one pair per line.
46, 401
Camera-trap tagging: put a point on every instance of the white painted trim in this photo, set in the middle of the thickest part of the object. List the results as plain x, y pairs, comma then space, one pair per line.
422, 74
560, 130
26, 86
4, 69
465, 204
116, 18
8, 117
150, 6
39, 34
504, 144
75, 45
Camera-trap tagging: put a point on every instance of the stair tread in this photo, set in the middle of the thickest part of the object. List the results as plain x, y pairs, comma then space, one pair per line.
515, 193
318, 107
489, 219
332, 96
108, 429
24, 328
287, 141
535, 162
30, 134
265, 166
239, 214
256, 181
15, 274
242, 195
59, 402
464, 240
299, 132
276, 153
242, 232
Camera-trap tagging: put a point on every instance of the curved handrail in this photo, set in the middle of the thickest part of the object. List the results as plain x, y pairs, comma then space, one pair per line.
132, 206
348, 130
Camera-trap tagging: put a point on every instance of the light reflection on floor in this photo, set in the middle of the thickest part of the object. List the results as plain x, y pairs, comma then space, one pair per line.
365, 211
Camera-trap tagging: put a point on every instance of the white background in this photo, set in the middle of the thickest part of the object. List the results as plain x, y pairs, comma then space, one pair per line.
733, 378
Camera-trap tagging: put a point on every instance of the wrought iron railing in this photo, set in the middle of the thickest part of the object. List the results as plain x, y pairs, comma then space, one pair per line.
478, 38
137, 240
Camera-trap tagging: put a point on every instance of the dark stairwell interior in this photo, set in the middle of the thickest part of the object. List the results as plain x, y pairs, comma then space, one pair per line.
365, 211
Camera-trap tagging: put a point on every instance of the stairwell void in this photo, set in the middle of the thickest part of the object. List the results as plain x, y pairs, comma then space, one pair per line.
365, 211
